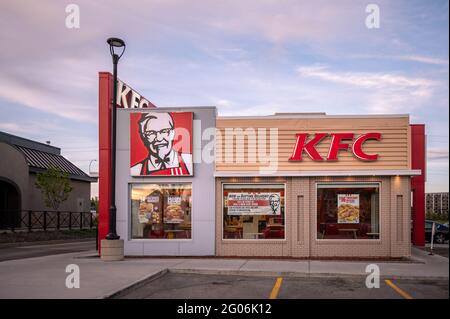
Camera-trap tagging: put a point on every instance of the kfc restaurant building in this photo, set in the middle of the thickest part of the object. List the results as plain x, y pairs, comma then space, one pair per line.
190, 183
344, 184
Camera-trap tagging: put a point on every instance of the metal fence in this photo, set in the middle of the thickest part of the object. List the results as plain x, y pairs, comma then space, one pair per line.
44, 220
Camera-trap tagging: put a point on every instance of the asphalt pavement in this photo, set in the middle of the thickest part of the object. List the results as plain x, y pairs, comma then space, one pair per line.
29, 250
438, 249
196, 286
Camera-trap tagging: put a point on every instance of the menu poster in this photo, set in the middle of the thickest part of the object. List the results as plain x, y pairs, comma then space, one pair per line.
173, 200
144, 212
152, 199
173, 213
348, 209
254, 204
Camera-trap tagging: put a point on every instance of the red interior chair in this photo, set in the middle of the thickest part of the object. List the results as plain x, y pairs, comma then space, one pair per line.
273, 233
331, 229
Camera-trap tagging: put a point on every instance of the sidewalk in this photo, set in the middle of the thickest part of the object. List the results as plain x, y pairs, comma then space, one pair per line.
44, 277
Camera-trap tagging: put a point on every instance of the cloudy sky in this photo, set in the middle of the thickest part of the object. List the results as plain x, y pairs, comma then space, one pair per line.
245, 57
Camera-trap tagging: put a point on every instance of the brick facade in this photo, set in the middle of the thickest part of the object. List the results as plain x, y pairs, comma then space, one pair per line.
300, 222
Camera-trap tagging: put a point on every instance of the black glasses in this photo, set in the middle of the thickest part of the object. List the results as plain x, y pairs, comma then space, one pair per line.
151, 134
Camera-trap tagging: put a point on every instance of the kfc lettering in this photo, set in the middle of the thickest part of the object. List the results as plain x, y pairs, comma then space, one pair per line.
129, 98
357, 146
338, 143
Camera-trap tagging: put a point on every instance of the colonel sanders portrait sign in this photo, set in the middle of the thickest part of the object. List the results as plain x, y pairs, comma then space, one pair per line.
161, 144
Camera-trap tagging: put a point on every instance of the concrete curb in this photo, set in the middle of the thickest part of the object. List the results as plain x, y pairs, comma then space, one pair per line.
292, 274
135, 284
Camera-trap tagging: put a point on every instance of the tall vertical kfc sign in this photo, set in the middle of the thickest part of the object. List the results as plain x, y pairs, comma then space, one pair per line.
126, 98
339, 142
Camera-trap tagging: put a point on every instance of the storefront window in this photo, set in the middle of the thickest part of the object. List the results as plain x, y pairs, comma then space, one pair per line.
348, 211
161, 211
253, 211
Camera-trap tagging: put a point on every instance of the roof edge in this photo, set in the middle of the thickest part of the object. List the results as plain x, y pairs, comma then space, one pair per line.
86, 178
311, 116
25, 142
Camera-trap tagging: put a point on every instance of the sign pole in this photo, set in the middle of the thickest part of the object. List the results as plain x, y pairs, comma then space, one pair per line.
433, 230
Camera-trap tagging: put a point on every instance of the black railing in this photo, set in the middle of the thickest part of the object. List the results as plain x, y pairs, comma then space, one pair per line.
45, 220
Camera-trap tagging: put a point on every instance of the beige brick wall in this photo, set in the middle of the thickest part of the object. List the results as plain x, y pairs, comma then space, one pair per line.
300, 212
245, 247
393, 149
400, 216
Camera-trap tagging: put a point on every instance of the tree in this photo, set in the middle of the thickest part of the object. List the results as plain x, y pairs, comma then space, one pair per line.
54, 185
94, 203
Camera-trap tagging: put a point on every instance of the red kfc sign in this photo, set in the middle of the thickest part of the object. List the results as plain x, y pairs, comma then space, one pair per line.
161, 144
339, 142
129, 98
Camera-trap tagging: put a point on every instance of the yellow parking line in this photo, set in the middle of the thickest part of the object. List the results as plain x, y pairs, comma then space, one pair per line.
398, 290
276, 288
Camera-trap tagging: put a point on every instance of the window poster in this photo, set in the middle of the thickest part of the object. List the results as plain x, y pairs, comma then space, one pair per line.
145, 211
348, 208
254, 203
173, 200
174, 214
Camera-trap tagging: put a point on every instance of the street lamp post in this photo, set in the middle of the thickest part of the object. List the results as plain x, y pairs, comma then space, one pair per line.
90, 163
114, 43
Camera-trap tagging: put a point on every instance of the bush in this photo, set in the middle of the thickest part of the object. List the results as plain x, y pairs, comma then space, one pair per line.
437, 217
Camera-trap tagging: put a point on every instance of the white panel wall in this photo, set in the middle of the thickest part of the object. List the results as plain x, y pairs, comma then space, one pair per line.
203, 192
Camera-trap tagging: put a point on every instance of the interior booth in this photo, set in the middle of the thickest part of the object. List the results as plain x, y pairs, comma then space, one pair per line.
313, 185
165, 184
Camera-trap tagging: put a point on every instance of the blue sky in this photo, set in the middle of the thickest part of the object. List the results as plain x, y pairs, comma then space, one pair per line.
245, 57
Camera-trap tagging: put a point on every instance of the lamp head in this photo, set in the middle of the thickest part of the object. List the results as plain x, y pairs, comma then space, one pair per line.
116, 43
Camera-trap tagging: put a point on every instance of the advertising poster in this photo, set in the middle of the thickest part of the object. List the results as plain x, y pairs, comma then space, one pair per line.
348, 209
254, 203
161, 144
145, 211
173, 214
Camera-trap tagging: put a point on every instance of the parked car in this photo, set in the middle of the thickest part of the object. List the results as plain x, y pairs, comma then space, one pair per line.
440, 234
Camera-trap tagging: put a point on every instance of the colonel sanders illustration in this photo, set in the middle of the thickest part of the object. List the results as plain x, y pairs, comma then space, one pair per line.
157, 132
274, 200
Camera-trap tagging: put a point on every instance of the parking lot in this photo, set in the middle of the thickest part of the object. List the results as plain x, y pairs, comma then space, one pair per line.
438, 249
193, 286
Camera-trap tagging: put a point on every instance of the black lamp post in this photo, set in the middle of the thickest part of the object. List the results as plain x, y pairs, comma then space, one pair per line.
114, 43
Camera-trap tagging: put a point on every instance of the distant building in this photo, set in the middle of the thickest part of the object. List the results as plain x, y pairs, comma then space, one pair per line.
437, 203
20, 160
